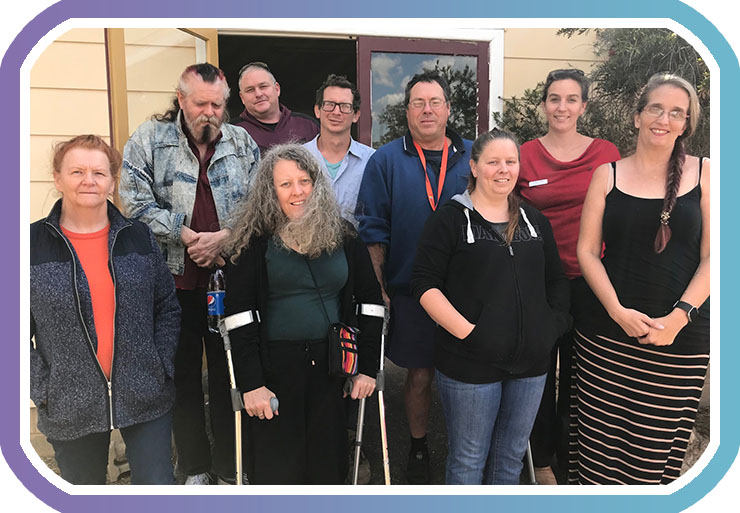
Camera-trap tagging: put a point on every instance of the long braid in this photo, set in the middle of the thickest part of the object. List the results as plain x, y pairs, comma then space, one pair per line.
673, 182
678, 155
513, 200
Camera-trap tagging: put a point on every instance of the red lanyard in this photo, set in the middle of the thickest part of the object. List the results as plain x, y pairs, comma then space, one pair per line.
442, 174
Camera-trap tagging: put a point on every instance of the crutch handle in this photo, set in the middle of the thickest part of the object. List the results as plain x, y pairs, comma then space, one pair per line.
348, 387
274, 404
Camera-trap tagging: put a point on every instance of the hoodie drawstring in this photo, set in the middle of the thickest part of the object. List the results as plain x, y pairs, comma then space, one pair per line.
471, 239
529, 225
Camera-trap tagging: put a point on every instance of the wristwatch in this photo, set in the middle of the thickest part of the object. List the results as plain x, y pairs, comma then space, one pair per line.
689, 309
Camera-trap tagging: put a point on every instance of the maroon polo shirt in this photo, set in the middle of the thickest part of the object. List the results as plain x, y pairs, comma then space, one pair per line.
204, 219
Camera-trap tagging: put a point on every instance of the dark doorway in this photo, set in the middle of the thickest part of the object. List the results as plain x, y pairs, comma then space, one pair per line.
300, 65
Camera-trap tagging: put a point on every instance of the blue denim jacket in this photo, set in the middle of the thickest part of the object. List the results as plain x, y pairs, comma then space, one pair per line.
160, 176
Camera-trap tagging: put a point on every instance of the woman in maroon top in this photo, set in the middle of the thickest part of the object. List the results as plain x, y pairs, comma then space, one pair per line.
554, 176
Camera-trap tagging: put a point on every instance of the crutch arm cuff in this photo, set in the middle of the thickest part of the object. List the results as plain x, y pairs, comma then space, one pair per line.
240, 319
371, 310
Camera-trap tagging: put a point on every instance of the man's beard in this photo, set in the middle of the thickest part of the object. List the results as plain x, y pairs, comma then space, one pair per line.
210, 128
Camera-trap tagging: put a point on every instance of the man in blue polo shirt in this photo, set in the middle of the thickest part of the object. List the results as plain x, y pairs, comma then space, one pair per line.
404, 181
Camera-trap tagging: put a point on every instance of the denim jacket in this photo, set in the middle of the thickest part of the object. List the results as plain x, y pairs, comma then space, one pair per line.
160, 176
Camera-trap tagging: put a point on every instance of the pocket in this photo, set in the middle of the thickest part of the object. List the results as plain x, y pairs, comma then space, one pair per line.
495, 336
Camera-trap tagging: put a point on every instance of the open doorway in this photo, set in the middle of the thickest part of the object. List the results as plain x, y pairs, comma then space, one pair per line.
300, 65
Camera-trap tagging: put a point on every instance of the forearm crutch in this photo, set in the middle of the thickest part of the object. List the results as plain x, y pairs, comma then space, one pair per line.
381, 312
358, 432
237, 404
380, 386
530, 465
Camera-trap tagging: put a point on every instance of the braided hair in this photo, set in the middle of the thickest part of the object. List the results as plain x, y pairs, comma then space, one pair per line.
678, 155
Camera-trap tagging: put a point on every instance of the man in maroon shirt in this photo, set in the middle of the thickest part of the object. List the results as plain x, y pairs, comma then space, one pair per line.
267, 121
184, 174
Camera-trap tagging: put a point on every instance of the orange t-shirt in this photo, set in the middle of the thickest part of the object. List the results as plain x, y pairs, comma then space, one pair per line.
92, 250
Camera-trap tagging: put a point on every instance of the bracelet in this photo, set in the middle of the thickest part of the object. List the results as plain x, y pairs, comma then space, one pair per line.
686, 307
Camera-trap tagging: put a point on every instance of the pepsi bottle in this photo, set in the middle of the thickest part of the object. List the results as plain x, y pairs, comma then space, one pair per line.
215, 298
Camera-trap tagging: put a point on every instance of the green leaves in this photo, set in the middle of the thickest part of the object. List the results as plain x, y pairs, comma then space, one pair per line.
631, 57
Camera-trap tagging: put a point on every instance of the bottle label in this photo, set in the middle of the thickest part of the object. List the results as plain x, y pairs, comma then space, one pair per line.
216, 302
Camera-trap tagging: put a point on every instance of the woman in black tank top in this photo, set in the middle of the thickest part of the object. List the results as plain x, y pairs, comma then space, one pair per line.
643, 350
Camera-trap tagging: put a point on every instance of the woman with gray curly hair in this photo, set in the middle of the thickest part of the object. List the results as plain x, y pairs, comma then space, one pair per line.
297, 267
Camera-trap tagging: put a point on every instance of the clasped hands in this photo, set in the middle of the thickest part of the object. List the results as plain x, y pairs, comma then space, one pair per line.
660, 331
204, 248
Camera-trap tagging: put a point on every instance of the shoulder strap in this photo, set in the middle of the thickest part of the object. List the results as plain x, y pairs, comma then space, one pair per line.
614, 176
316, 285
698, 175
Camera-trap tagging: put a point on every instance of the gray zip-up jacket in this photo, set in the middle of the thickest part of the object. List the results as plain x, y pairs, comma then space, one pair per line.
73, 396
160, 176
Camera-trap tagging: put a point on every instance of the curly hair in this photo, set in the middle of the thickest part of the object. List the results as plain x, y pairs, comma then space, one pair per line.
320, 228
341, 82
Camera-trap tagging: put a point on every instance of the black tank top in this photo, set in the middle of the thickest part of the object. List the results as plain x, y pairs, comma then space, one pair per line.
647, 281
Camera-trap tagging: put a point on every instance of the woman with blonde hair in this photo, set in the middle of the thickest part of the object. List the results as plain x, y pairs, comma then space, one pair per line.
643, 348
299, 267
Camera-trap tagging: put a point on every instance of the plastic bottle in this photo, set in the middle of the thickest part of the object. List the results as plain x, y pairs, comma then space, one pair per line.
215, 298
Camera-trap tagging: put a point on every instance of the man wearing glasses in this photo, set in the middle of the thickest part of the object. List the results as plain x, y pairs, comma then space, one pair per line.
404, 182
264, 117
339, 155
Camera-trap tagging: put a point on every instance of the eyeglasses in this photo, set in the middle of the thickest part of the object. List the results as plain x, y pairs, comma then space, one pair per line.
344, 108
656, 111
434, 103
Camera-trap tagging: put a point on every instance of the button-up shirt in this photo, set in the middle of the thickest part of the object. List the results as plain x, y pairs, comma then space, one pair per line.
347, 181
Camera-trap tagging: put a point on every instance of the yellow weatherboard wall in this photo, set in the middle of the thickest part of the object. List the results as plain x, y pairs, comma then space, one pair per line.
155, 58
529, 54
69, 96
69, 92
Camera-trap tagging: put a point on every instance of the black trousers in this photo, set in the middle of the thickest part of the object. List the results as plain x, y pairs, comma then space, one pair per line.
307, 442
189, 422
550, 432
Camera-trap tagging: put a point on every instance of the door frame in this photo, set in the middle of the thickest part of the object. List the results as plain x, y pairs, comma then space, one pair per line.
366, 45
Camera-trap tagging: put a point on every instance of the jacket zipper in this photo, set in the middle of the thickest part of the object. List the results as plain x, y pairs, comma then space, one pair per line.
115, 312
108, 382
519, 346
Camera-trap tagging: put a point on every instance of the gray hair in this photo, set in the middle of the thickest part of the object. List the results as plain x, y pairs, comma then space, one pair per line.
320, 228
251, 66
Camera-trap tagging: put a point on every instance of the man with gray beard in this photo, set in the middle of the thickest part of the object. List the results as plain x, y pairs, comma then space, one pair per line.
184, 173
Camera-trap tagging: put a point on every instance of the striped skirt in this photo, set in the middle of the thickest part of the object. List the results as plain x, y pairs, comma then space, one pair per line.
634, 412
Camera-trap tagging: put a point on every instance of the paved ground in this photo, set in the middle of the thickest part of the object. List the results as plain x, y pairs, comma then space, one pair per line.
398, 441
398, 438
